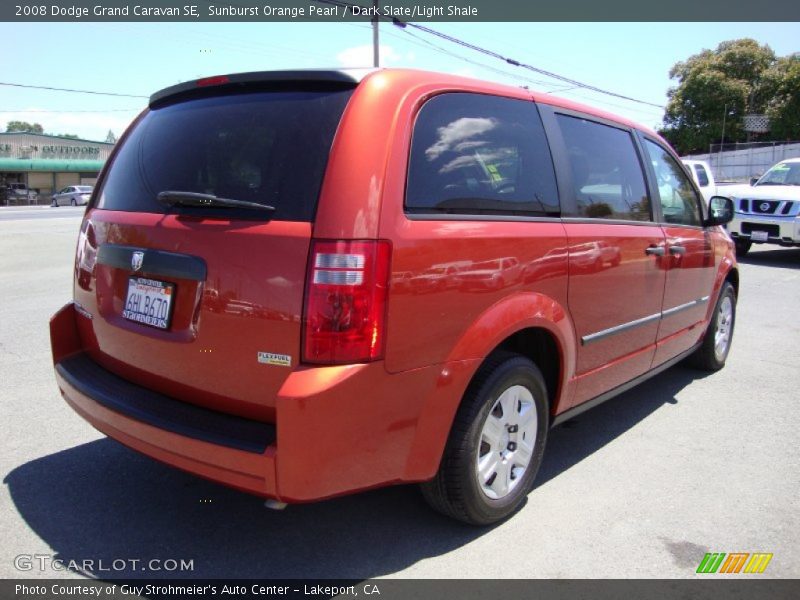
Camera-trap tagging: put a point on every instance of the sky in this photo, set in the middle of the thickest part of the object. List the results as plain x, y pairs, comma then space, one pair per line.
631, 59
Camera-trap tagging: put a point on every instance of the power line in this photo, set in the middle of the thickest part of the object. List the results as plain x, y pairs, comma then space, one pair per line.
559, 90
476, 63
522, 65
403, 24
498, 56
55, 89
651, 113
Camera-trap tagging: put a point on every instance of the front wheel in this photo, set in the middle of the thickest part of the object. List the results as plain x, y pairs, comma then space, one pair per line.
496, 444
713, 352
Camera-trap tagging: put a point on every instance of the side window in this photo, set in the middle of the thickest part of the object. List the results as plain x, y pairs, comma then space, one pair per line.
702, 176
478, 154
607, 177
679, 203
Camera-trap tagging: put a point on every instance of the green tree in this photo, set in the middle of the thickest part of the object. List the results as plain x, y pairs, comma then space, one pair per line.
24, 126
111, 138
716, 85
782, 86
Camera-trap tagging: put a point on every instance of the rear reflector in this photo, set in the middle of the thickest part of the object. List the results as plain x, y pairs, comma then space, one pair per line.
344, 320
85, 255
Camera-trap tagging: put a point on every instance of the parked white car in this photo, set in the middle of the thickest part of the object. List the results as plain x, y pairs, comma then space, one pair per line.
73, 195
768, 210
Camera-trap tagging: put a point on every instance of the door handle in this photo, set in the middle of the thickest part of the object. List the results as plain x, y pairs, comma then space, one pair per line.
677, 250
654, 250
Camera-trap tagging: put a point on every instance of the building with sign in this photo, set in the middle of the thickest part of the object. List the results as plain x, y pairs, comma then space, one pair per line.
47, 163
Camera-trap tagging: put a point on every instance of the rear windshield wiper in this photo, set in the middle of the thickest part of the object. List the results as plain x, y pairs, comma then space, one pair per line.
173, 198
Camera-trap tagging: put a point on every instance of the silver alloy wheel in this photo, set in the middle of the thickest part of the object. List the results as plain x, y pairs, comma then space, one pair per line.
506, 444
722, 336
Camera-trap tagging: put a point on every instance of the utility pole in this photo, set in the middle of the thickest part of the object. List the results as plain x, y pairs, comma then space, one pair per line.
722, 141
376, 53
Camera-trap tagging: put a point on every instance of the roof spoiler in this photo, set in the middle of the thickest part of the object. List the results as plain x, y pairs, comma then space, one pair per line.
343, 77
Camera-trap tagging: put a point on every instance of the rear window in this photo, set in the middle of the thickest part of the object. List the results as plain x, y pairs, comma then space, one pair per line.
264, 147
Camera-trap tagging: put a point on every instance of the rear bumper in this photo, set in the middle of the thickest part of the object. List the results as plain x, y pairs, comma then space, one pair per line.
338, 429
243, 470
88, 379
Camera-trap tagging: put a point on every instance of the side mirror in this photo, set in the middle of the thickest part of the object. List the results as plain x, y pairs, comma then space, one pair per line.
720, 211
753, 180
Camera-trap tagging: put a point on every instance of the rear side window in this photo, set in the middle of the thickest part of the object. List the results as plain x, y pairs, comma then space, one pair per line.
264, 147
607, 177
702, 176
477, 154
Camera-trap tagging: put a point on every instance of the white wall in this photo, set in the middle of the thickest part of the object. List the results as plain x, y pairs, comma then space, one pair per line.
741, 165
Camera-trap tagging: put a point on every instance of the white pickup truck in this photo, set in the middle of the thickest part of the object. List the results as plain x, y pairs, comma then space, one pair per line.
768, 210
703, 177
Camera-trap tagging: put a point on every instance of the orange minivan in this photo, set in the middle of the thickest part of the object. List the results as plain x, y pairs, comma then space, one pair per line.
303, 284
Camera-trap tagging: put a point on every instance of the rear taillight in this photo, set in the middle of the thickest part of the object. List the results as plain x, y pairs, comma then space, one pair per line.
344, 319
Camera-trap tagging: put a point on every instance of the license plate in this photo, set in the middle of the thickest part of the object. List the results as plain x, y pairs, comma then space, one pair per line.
149, 302
759, 236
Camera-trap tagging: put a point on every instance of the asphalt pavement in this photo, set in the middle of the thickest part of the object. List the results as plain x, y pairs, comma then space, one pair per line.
23, 213
642, 486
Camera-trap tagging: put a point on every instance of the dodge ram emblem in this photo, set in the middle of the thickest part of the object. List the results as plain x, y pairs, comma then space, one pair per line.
136, 260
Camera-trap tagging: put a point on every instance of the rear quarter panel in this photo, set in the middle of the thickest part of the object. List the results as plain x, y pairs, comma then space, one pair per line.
442, 290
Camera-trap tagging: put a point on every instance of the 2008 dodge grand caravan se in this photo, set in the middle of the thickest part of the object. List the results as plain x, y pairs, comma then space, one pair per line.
303, 284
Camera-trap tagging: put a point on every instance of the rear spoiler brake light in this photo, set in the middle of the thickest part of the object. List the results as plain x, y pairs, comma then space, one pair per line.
343, 79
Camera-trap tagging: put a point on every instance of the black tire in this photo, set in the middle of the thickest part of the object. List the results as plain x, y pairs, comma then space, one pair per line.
456, 490
709, 356
742, 247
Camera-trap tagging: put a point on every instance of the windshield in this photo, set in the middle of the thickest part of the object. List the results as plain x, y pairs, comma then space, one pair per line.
268, 148
781, 174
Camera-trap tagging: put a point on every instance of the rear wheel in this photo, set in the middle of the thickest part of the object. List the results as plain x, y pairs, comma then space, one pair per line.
496, 444
713, 352
742, 246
